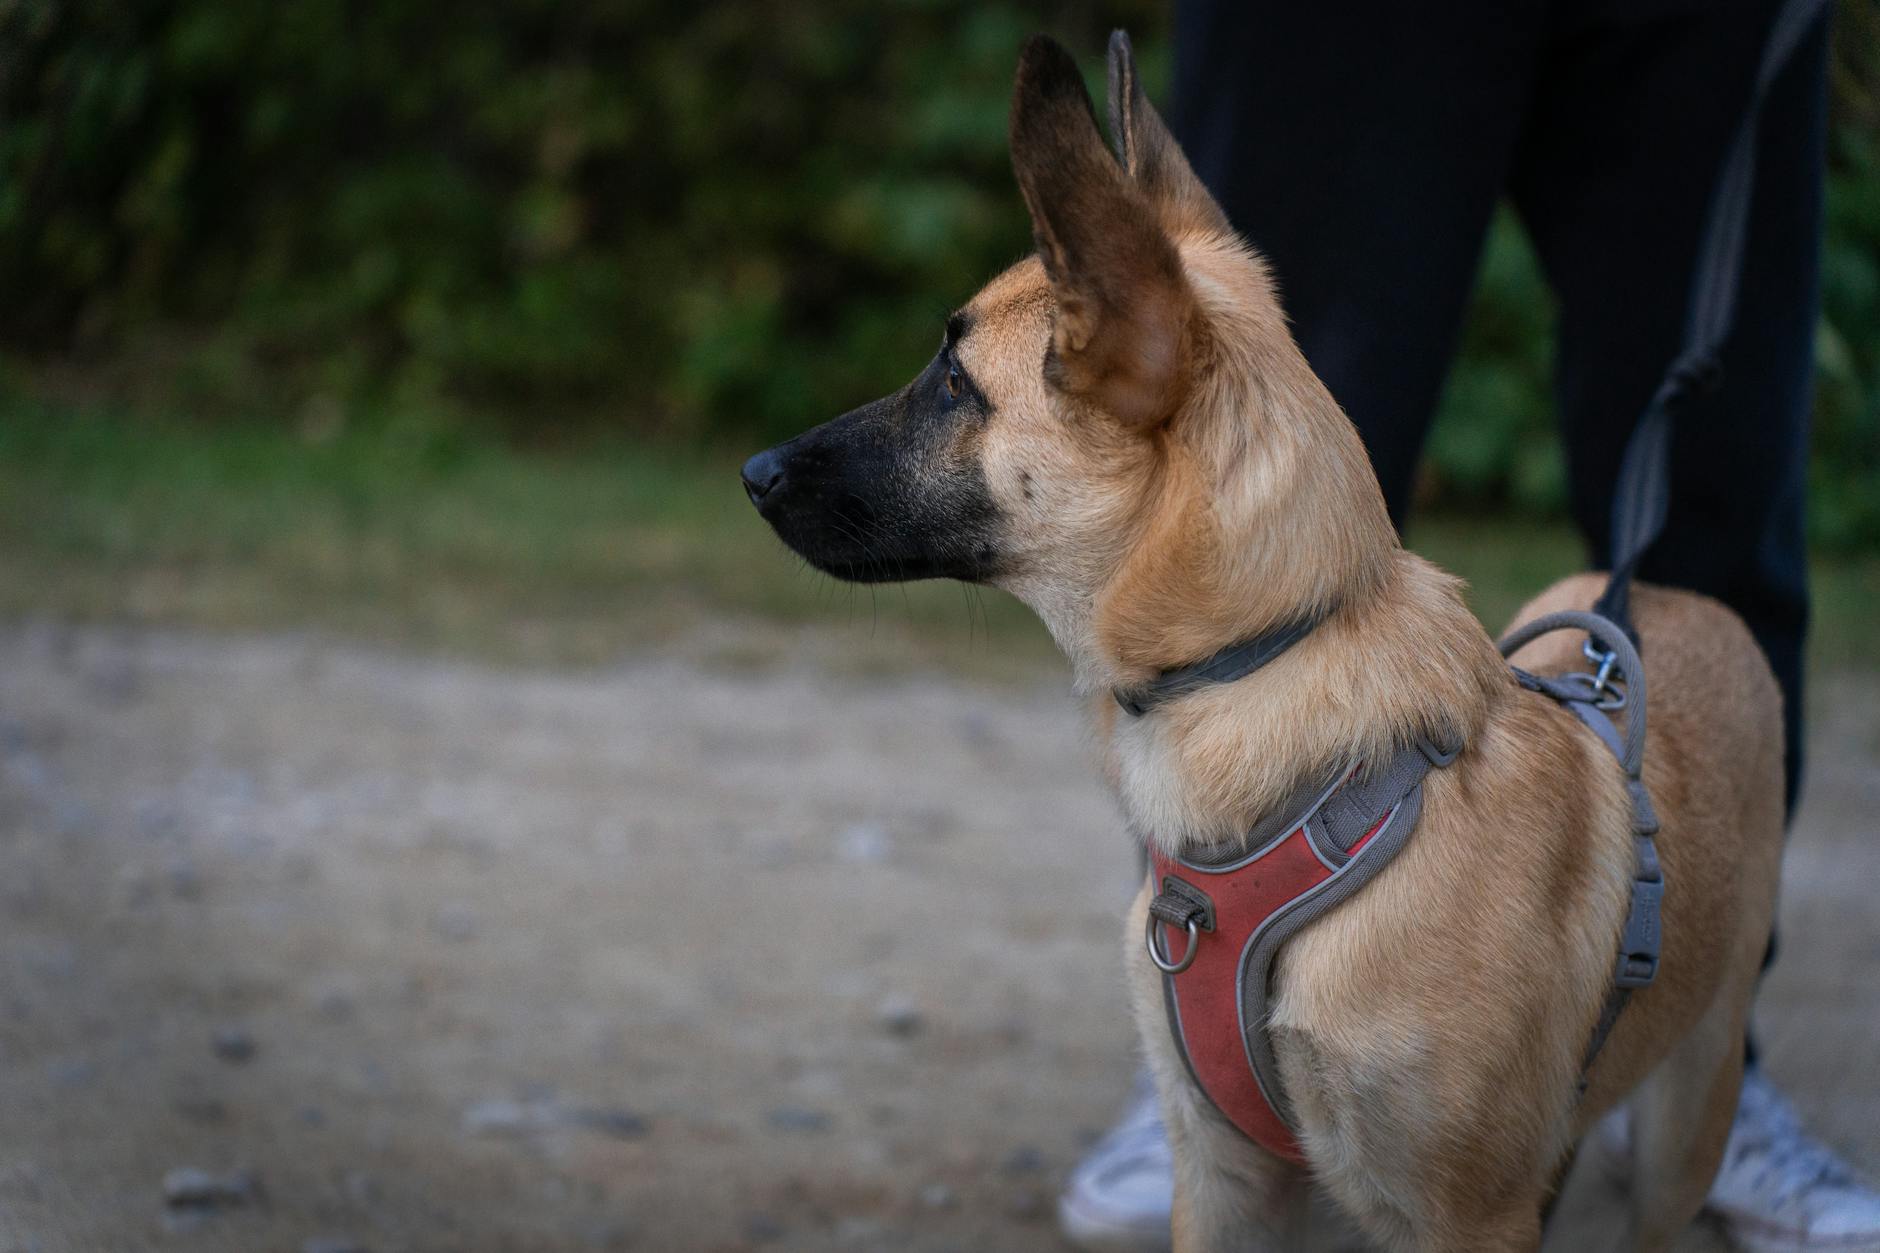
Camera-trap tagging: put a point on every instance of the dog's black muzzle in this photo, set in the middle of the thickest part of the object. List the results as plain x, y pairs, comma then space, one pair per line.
874, 497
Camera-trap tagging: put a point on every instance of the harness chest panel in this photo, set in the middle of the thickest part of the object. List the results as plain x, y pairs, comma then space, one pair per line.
1239, 913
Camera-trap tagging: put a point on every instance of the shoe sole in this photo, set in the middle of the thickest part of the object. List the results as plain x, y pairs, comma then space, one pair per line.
1744, 1231
1752, 1235
1097, 1232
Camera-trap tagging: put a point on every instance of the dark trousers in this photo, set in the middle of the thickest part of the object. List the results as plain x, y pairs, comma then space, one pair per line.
1362, 147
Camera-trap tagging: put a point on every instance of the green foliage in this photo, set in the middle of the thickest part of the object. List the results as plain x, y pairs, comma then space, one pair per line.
693, 215
1845, 486
643, 216
1493, 441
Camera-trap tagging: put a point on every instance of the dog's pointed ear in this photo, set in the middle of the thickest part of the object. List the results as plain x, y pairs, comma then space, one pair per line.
1125, 313
1146, 149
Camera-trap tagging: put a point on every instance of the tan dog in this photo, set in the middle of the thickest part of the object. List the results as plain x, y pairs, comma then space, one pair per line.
1120, 432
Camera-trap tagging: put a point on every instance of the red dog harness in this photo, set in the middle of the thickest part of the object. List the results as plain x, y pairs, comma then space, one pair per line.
1215, 925
1230, 917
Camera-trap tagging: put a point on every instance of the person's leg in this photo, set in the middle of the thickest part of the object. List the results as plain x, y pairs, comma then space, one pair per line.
1635, 109
1361, 149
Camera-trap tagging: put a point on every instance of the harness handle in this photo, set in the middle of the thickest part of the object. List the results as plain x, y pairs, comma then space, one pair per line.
1614, 639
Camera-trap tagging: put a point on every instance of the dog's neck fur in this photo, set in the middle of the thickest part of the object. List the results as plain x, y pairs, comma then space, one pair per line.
1265, 511
1406, 661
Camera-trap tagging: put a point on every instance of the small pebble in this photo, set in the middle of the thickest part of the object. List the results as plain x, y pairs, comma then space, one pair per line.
1022, 1160
608, 1234
185, 880
796, 1118
857, 1229
202, 1109
189, 1187
361, 1188
762, 1229
621, 1124
498, 1117
976, 730
938, 1196
455, 923
233, 1045
71, 1072
115, 681
1027, 1206
334, 1006
900, 1016
158, 820
864, 842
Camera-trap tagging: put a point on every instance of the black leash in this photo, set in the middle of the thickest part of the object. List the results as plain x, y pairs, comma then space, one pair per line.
1643, 494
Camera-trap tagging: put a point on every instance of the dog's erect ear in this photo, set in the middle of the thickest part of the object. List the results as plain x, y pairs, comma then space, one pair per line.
1125, 311
1150, 154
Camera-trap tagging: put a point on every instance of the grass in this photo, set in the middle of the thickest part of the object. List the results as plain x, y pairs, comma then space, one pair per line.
437, 541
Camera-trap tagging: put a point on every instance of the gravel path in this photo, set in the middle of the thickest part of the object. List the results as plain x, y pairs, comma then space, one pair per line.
314, 948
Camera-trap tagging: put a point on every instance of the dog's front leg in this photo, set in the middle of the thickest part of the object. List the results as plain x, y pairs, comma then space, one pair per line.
1231, 1196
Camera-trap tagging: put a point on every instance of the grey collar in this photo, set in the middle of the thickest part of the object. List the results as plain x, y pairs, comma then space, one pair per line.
1236, 661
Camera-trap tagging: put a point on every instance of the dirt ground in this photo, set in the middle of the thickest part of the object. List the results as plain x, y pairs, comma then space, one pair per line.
681, 954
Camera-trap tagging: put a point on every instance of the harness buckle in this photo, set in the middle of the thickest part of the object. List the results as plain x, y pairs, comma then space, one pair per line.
1639, 942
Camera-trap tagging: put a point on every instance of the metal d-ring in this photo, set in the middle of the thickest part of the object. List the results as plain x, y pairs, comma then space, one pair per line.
1162, 963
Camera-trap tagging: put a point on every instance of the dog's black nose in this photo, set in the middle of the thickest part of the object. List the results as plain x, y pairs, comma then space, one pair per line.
761, 474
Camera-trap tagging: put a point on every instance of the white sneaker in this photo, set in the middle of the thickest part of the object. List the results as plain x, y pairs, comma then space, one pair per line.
1118, 1198
1779, 1190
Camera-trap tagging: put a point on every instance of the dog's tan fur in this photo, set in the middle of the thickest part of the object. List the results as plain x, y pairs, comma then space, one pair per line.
1173, 478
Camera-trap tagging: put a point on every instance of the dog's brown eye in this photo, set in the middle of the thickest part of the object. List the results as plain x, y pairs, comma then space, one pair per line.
956, 382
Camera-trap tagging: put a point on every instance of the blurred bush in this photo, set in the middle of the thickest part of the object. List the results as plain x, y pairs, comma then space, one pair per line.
678, 216
553, 216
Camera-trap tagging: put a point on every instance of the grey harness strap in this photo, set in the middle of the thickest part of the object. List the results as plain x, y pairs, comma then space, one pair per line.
1393, 797
1593, 698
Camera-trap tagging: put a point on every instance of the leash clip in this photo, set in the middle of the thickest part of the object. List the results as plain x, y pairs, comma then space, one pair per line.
1608, 692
